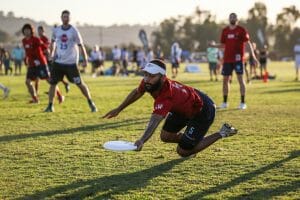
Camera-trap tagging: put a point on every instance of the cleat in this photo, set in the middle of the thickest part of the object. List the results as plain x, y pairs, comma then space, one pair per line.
242, 106
61, 99
224, 105
49, 109
6, 93
33, 101
93, 107
227, 130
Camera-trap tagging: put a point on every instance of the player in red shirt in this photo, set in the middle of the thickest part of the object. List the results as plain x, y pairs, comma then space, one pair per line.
233, 39
35, 60
46, 41
181, 105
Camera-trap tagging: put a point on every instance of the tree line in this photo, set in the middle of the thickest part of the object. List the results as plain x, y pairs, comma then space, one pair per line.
193, 32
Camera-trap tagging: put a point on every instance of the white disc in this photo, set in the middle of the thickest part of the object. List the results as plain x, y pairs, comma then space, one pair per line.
119, 145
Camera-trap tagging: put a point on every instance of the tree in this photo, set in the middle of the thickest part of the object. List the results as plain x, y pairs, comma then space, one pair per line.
257, 24
4, 37
284, 30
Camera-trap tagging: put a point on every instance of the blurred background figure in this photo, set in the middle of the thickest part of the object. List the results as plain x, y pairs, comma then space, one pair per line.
18, 56
97, 61
6, 62
263, 58
212, 57
175, 58
297, 58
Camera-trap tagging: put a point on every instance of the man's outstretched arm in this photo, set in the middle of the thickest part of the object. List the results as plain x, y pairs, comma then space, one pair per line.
132, 97
152, 125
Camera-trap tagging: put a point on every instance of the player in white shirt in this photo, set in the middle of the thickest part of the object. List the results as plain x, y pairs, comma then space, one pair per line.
175, 58
96, 58
116, 53
66, 40
297, 59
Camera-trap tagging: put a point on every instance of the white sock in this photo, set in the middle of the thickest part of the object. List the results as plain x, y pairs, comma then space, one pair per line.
2, 87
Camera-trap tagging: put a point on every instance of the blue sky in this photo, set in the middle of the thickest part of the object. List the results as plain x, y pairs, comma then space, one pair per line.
108, 12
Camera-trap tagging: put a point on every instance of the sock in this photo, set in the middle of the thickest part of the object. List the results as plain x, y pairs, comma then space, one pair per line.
50, 104
58, 93
2, 87
90, 101
225, 98
35, 98
243, 99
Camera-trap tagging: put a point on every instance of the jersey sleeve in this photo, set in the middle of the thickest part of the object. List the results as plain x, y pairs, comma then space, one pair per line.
223, 38
246, 36
78, 38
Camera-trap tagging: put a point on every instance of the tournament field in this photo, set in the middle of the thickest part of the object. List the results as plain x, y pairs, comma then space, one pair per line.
60, 156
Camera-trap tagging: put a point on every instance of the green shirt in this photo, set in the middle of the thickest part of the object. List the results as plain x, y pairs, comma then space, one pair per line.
212, 54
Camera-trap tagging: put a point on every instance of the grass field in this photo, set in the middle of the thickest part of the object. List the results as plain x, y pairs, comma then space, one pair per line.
60, 156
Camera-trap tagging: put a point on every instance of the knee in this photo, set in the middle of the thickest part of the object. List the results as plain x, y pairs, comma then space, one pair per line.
183, 153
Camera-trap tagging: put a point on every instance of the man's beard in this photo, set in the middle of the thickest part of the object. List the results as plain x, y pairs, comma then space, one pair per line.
152, 87
233, 23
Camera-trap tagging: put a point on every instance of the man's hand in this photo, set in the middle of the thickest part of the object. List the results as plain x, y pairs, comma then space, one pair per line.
139, 144
112, 113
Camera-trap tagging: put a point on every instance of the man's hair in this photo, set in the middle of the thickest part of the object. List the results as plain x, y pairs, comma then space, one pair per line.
233, 14
65, 12
159, 63
41, 27
27, 26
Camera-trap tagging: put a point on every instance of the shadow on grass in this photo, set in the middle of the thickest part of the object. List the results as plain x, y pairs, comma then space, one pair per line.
283, 91
128, 122
265, 193
107, 186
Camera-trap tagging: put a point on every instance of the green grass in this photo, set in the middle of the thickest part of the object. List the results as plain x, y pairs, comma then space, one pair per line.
60, 156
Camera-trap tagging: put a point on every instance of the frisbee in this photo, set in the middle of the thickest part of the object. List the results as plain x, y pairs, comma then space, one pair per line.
119, 145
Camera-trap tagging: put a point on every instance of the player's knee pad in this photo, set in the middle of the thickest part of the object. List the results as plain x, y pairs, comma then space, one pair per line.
187, 143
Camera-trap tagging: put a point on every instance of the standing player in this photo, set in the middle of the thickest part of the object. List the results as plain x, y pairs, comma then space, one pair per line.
212, 57
64, 45
35, 60
297, 59
183, 106
233, 39
46, 42
175, 58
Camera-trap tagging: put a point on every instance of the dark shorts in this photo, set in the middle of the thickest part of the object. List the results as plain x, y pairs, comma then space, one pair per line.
96, 63
69, 70
212, 66
40, 71
196, 128
18, 62
175, 64
229, 67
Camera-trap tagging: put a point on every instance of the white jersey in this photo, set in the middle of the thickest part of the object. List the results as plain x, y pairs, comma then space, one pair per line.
67, 41
116, 53
95, 55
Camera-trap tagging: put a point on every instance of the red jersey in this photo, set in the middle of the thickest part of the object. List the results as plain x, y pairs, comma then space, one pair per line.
45, 41
176, 98
234, 41
34, 49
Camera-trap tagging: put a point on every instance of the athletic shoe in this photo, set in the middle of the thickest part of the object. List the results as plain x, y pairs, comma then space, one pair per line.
227, 130
6, 93
93, 107
34, 101
60, 99
67, 87
242, 106
49, 109
224, 105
